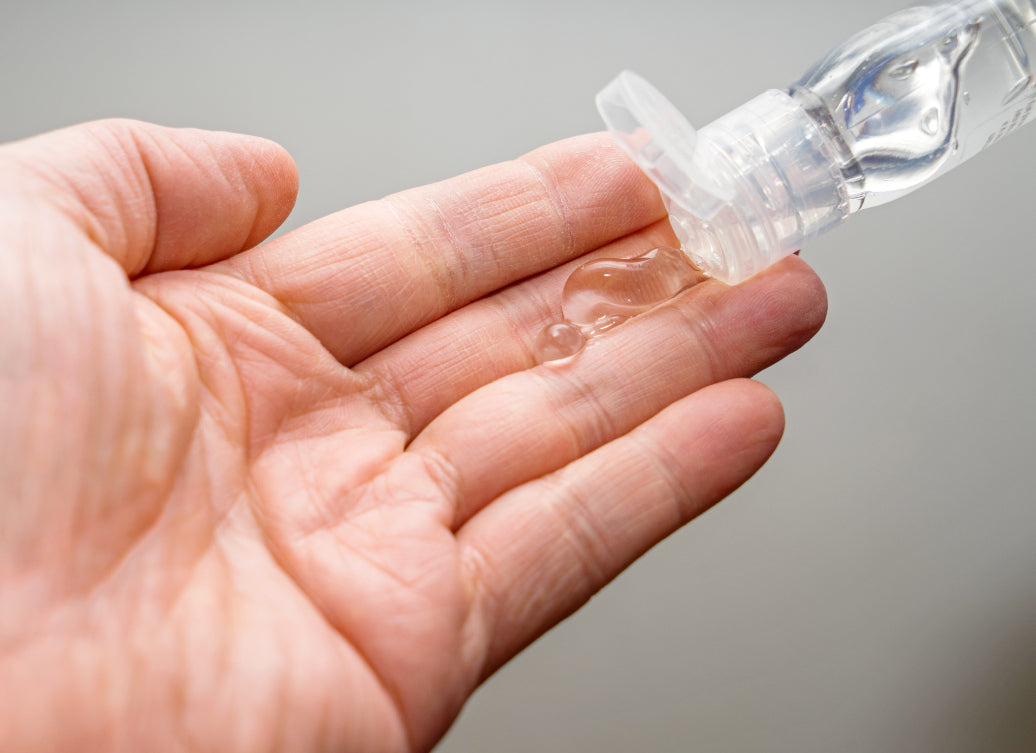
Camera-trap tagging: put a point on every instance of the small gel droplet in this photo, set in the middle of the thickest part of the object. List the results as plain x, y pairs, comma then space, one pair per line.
558, 341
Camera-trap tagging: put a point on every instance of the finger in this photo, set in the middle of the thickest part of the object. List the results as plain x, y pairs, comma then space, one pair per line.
157, 198
533, 422
434, 367
541, 551
397, 264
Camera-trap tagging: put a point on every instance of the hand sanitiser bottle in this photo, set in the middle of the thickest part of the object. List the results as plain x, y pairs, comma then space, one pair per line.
893, 108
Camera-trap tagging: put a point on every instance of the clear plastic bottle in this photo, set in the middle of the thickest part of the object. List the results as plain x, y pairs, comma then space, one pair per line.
894, 107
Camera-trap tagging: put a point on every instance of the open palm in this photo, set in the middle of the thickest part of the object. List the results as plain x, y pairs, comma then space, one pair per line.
306, 495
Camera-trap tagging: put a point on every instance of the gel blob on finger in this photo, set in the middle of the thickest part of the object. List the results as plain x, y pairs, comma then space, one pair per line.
896, 106
603, 293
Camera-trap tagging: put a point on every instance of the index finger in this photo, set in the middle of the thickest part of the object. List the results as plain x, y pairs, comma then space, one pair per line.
364, 277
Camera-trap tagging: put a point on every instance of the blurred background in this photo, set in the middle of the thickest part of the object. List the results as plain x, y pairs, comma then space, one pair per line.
873, 588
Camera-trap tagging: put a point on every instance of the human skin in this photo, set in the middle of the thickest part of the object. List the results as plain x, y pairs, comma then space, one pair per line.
305, 495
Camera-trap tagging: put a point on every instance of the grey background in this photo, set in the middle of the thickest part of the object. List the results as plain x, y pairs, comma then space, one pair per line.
874, 587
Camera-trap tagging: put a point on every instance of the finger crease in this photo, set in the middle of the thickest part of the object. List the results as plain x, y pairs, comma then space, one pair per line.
447, 478
587, 539
558, 202
403, 213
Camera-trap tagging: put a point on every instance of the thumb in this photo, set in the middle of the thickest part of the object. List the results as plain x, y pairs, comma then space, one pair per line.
156, 198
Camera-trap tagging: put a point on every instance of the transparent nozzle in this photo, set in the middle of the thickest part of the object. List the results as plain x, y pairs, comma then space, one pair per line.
742, 192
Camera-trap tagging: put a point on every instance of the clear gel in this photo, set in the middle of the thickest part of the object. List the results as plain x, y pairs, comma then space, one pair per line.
603, 293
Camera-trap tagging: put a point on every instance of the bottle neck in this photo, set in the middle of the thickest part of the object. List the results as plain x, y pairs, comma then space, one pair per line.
828, 129
785, 177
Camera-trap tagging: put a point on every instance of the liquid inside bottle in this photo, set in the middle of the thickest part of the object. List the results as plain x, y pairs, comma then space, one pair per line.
604, 293
928, 88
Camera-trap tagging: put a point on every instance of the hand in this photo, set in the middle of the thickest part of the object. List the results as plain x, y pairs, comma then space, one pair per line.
306, 495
